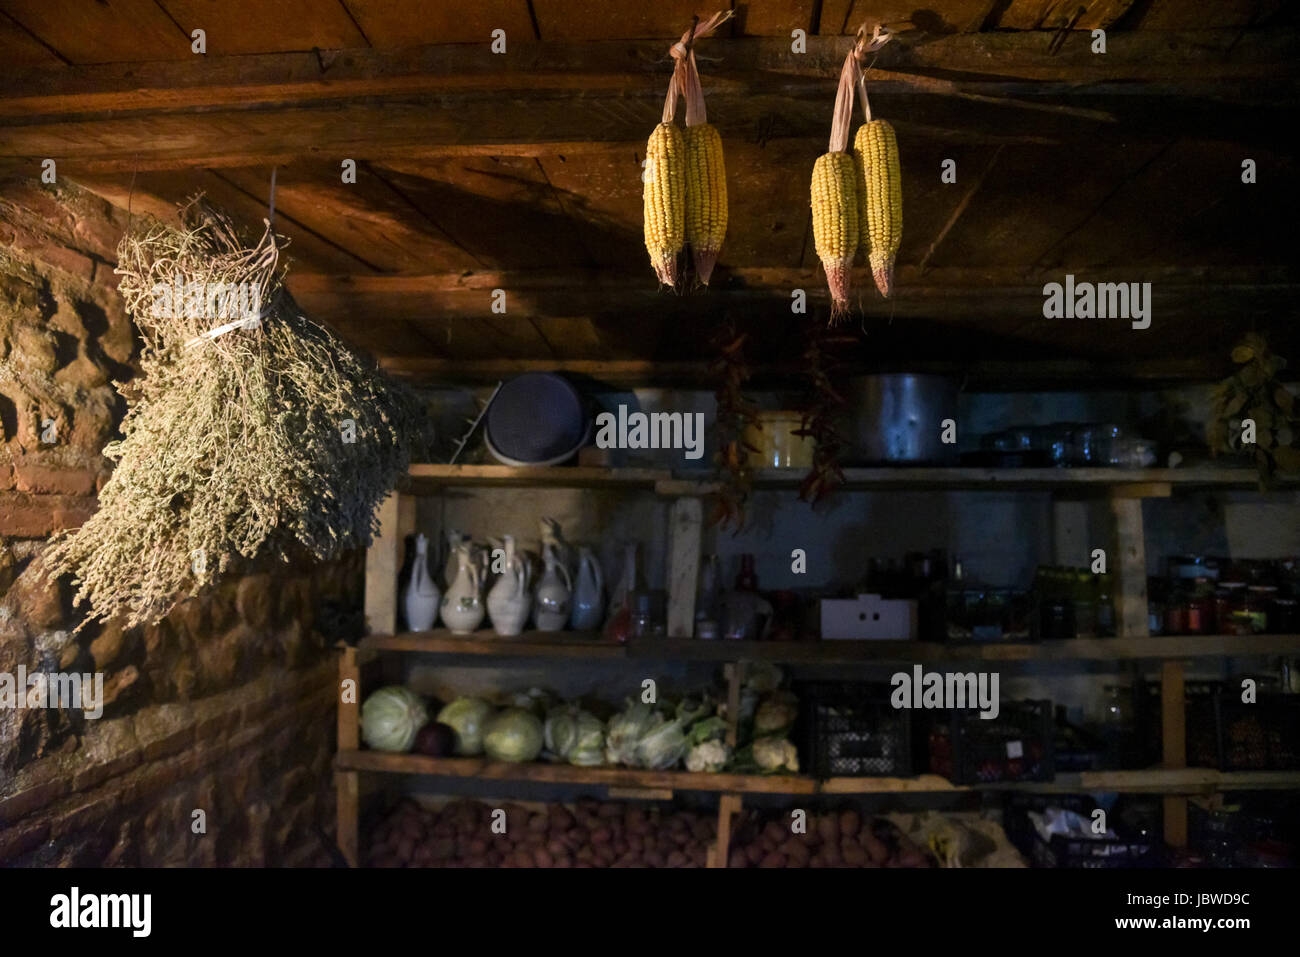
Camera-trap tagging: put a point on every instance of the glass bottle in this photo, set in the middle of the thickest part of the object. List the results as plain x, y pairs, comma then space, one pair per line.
1105, 606
1084, 598
747, 580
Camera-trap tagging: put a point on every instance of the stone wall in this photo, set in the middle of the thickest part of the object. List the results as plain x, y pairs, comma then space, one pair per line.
226, 706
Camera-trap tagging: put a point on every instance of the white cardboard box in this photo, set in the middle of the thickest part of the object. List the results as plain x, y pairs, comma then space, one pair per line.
868, 617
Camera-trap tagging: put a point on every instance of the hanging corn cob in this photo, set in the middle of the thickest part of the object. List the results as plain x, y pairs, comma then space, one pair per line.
665, 204
685, 195
880, 187
834, 196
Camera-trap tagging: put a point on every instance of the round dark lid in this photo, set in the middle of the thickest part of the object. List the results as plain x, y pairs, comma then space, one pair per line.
537, 417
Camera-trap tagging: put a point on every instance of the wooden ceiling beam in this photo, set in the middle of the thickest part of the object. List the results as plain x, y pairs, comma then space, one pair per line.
999, 63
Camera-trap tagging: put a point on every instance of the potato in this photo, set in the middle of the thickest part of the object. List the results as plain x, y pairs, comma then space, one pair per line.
776, 832
828, 828
561, 818
698, 854
601, 835
676, 859
772, 860
913, 858
405, 848
654, 859
383, 860
635, 821
737, 857
796, 851
854, 855
555, 847
538, 823
610, 809
755, 853
444, 829
635, 842
702, 829
605, 854
586, 853
563, 860
850, 822
541, 858
874, 847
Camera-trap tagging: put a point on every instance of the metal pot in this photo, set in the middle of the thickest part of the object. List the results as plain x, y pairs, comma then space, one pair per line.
897, 417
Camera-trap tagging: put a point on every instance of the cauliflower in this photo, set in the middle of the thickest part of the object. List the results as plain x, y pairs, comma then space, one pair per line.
710, 756
776, 712
773, 754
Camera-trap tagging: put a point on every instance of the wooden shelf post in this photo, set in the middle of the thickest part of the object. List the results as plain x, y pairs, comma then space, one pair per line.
348, 782
1131, 596
1173, 723
685, 525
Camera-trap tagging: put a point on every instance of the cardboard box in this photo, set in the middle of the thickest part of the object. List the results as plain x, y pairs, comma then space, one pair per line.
868, 617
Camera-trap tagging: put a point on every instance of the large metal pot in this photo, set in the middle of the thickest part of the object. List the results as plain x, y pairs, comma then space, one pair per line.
897, 417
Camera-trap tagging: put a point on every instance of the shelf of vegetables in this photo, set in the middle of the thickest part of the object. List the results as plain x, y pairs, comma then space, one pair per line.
725, 757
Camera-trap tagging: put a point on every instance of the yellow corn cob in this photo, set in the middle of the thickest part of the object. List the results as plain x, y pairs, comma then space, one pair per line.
880, 189
665, 200
706, 197
835, 223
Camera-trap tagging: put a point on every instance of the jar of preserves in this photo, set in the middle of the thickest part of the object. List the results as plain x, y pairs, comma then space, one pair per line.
1200, 608
1259, 605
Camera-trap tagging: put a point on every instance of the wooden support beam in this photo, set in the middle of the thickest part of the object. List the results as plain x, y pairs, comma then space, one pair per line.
959, 209
1130, 563
1173, 723
684, 531
989, 63
347, 783
729, 805
384, 562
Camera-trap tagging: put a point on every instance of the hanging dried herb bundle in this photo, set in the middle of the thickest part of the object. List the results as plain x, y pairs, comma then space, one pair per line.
269, 437
819, 416
1255, 394
735, 413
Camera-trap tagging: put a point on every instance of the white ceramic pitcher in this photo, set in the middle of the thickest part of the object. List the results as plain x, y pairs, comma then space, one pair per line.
588, 593
508, 603
421, 596
462, 605
551, 604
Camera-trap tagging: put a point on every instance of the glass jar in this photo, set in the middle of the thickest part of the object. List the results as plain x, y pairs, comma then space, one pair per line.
1284, 619
1117, 726
1200, 608
1259, 604
1241, 623
648, 610
1083, 595
1105, 606
1176, 613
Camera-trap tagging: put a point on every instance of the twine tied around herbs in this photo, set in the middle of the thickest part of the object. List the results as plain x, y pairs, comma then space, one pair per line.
853, 76
686, 76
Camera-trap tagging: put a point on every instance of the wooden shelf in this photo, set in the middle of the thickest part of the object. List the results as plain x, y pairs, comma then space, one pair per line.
567, 644
530, 644
1155, 780
427, 479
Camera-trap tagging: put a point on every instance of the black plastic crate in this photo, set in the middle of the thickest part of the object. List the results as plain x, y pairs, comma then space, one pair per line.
1123, 851
1017, 745
853, 731
1202, 725
1264, 736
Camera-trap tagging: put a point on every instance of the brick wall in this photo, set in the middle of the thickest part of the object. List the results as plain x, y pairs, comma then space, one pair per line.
226, 706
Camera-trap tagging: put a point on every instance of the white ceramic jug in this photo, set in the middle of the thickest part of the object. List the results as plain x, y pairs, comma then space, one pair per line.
588, 593
551, 535
455, 539
462, 605
508, 602
554, 593
421, 596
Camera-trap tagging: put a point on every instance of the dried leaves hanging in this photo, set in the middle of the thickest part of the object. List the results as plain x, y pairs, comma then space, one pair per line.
735, 414
270, 437
1253, 411
819, 417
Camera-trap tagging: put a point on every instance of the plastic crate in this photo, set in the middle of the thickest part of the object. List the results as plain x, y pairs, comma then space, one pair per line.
1124, 851
853, 731
1202, 726
1017, 745
1264, 736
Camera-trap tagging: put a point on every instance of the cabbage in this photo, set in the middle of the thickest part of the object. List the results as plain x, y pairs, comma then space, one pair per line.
514, 735
625, 731
710, 729
467, 716
662, 747
391, 717
575, 736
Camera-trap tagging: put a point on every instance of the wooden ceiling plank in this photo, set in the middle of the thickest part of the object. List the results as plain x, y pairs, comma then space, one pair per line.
418, 22
997, 63
959, 209
236, 27
119, 32
20, 47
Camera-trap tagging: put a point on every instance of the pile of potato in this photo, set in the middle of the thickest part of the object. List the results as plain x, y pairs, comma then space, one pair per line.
833, 839
589, 834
